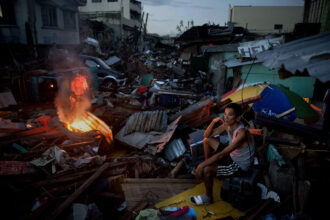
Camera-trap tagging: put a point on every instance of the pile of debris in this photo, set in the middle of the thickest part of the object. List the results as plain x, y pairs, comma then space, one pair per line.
111, 154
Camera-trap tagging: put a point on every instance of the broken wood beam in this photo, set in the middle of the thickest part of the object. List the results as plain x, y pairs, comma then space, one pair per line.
73, 145
77, 193
70, 176
222, 103
245, 102
276, 140
289, 127
36, 133
176, 169
286, 113
10, 130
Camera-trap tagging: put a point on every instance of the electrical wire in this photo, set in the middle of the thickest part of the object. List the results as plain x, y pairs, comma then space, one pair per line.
254, 58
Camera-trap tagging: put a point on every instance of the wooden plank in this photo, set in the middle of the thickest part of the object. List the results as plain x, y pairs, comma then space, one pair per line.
176, 169
36, 133
248, 101
77, 193
73, 145
277, 140
154, 190
10, 130
75, 176
286, 112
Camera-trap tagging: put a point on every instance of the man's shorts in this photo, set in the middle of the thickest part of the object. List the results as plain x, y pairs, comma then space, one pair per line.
226, 165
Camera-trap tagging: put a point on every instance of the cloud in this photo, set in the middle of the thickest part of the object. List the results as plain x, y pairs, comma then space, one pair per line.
174, 4
156, 2
188, 4
162, 20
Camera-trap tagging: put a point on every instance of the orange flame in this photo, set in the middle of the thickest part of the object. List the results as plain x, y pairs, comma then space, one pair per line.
90, 122
81, 120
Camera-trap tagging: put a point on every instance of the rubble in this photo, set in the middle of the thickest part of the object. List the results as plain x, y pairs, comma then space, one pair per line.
112, 152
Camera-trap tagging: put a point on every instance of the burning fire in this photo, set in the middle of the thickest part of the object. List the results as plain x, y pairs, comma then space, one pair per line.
73, 108
90, 122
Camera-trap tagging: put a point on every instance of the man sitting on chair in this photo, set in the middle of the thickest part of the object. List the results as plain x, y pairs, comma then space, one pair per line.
236, 157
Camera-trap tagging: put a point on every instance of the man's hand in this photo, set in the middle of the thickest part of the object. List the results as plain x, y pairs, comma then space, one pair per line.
217, 119
199, 171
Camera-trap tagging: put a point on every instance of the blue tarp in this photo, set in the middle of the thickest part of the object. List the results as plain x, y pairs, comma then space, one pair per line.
274, 102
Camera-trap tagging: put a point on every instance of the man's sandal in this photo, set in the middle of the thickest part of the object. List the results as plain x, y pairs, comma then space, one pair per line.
200, 200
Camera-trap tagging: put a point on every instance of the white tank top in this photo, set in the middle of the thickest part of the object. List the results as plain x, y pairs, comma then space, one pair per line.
243, 155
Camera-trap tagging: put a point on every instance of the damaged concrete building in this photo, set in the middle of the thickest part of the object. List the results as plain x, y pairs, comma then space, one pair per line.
122, 16
39, 23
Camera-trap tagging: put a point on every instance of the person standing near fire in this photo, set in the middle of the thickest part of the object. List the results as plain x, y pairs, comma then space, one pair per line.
80, 90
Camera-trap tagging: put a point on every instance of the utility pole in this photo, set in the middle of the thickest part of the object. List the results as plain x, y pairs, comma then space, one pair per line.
145, 24
141, 22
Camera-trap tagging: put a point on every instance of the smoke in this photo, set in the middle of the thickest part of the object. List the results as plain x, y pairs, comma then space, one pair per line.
67, 109
73, 98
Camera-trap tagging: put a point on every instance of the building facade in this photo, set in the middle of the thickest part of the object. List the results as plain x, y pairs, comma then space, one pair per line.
266, 19
39, 22
122, 16
318, 11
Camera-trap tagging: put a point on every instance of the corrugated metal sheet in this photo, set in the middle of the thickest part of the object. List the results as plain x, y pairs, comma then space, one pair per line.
220, 48
174, 149
310, 53
236, 63
146, 121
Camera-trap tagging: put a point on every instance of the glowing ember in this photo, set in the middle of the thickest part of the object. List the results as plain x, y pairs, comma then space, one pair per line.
72, 109
88, 123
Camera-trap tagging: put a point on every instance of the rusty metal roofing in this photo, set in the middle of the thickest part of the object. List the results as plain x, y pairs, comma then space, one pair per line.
311, 54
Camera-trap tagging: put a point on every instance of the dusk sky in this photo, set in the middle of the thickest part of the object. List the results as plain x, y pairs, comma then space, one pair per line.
165, 15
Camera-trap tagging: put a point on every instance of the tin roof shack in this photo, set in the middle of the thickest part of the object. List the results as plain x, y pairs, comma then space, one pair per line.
247, 69
217, 56
306, 56
197, 36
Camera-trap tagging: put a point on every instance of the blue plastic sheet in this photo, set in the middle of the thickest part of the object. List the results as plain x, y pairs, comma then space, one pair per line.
274, 102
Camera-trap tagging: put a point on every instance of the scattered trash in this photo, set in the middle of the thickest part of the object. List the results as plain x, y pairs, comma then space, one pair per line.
113, 138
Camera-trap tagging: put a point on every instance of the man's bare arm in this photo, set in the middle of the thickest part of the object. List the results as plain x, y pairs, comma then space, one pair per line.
238, 141
211, 131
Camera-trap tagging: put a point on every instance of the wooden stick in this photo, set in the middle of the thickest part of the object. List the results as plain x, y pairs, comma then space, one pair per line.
76, 177
37, 146
69, 146
76, 194
286, 112
176, 169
